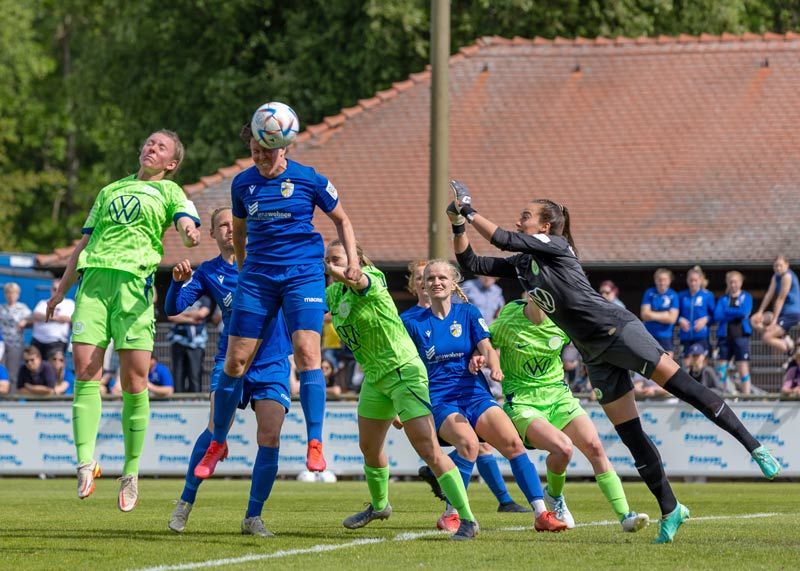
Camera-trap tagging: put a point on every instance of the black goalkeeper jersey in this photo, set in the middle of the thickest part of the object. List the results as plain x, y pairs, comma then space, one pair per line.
550, 272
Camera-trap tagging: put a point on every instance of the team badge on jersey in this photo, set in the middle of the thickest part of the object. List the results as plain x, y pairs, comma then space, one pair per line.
330, 189
78, 327
534, 268
287, 188
554, 343
455, 329
344, 309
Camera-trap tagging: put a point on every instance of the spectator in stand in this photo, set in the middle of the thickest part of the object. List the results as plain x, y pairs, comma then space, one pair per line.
700, 370
14, 318
159, 379
696, 311
573, 366
65, 378
109, 379
784, 290
36, 377
5, 384
332, 388
53, 335
610, 291
645, 388
732, 313
188, 338
791, 380
659, 310
484, 293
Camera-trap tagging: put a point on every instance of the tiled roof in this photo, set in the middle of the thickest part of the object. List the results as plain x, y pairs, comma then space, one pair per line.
666, 150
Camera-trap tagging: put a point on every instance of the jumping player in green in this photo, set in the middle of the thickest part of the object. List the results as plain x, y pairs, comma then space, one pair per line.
115, 261
546, 413
395, 384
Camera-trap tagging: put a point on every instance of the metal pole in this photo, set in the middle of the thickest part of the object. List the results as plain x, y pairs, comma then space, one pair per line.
438, 227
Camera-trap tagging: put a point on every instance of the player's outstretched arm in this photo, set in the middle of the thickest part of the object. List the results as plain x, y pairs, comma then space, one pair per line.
344, 230
339, 274
69, 278
189, 232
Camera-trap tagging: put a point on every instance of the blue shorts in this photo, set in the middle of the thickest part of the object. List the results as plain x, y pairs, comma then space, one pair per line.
787, 321
666, 343
470, 408
269, 381
736, 347
263, 289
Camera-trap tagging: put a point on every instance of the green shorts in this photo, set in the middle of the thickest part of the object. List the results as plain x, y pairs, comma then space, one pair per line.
403, 393
555, 404
114, 304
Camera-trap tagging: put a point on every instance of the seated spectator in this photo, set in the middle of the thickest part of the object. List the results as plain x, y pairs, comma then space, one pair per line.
36, 377
159, 379
5, 383
332, 389
784, 295
696, 312
486, 295
645, 388
700, 370
610, 292
659, 310
65, 378
52, 335
15, 316
791, 380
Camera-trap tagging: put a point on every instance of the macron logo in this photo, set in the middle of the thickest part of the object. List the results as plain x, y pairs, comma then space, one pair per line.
251, 188
312, 299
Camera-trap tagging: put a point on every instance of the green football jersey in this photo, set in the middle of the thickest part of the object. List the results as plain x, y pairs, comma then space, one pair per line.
127, 223
530, 355
368, 323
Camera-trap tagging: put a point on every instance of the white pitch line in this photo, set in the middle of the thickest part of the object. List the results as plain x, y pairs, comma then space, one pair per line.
407, 536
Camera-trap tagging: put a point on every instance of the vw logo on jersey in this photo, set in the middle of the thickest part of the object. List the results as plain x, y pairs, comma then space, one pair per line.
554, 343
252, 208
544, 299
534, 268
125, 209
344, 309
455, 329
287, 188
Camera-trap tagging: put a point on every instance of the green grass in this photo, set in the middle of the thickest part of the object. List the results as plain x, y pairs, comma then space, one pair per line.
44, 526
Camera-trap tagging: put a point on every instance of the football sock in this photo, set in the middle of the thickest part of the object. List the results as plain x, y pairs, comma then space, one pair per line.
86, 409
378, 484
264, 472
490, 472
193, 482
722, 371
555, 483
611, 486
135, 417
464, 467
312, 400
528, 480
712, 405
453, 487
226, 399
647, 462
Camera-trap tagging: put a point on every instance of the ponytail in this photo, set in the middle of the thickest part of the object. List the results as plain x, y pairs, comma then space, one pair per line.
460, 293
558, 216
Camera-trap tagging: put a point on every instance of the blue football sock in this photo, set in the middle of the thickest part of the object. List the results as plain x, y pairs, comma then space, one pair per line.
200, 446
527, 477
264, 472
312, 399
464, 467
226, 399
722, 371
490, 472
745, 379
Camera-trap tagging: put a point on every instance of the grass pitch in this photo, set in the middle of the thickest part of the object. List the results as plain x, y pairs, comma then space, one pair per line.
44, 526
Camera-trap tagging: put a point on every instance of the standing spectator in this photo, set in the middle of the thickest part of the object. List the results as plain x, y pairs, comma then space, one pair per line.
732, 313
5, 385
53, 334
610, 291
65, 378
332, 388
484, 293
700, 370
14, 318
659, 310
188, 338
696, 311
36, 377
791, 380
159, 379
785, 291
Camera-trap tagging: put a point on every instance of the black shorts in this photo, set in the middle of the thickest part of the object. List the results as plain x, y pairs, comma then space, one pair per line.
736, 347
633, 349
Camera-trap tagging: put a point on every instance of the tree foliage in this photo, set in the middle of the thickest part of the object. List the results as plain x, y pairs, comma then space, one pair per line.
82, 82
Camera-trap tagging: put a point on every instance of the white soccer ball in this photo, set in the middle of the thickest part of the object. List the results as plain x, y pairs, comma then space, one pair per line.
275, 125
327, 477
307, 476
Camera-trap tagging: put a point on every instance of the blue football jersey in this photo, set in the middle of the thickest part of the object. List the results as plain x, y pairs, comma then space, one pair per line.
279, 213
217, 279
660, 302
446, 347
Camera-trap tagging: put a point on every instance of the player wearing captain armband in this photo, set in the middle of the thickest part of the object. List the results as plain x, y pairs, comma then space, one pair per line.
265, 386
546, 414
395, 384
115, 261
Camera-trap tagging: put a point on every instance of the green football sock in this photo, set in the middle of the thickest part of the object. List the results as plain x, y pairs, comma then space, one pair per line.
453, 487
611, 486
135, 416
378, 484
555, 483
86, 409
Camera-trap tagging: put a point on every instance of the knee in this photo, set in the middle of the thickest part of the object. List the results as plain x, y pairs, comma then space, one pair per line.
307, 355
429, 453
594, 451
268, 437
469, 450
235, 364
564, 449
510, 446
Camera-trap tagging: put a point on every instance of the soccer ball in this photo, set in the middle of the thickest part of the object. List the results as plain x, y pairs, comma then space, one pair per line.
275, 125
326, 477
306, 476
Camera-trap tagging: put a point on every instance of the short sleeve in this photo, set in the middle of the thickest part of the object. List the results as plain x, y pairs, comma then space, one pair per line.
164, 376
647, 297
179, 205
675, 301
237, 204
3, 373
325, 194
477, 324
94, 213
377, 283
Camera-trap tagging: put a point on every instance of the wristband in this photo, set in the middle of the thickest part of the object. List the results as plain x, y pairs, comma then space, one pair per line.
459, 229
468, 212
